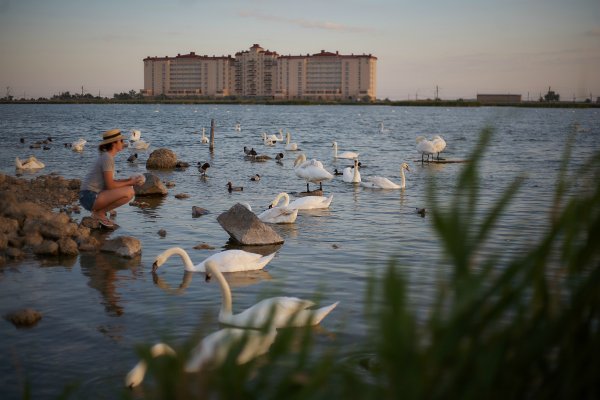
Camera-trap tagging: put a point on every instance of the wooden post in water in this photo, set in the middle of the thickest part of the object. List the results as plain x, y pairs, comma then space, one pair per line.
212, 135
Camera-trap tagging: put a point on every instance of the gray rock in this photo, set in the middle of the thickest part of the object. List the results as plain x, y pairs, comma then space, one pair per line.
244, 227
152, 187
14, 253
162, 159
24, 318
8, 225
124, 246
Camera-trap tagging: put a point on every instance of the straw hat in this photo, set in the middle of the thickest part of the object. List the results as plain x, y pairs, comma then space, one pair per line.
111, 136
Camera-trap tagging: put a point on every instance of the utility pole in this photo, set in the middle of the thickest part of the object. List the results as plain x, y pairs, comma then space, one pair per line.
81, 90
437, 92
7, 92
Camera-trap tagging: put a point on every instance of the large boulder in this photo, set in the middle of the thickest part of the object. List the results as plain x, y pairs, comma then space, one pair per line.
124, 246
245, 228
162, 159
152, 187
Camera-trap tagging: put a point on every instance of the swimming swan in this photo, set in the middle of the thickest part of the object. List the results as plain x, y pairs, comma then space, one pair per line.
311, 171
303, 203
135, 135
78, 144
290, 146
345, 154
30, 163
204, 139
213, 350
269, 140
351, 174
226, 261
378, 182
279, 215
425, 147
140, 145
279, 312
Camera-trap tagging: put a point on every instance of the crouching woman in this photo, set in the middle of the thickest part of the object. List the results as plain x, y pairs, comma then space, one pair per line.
100, 191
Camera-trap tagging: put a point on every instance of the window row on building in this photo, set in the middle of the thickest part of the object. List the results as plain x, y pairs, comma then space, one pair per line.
263, 73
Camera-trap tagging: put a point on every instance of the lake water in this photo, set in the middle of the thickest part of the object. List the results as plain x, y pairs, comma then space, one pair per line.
97, 308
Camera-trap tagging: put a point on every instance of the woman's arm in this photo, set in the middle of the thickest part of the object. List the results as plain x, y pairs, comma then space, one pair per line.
112, 183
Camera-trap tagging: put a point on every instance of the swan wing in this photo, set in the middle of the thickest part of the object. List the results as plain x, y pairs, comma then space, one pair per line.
275, 311
279, 215
311, 202
379, 182
236, 260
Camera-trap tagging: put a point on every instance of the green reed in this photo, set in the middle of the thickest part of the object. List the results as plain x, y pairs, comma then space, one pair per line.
524, 327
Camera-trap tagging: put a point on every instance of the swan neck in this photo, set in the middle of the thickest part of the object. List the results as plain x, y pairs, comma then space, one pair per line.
187, 261
286, 201
225, 293
402, 177
355, 172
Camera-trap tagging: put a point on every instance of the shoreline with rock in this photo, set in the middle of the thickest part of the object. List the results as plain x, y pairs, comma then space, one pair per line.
35, 221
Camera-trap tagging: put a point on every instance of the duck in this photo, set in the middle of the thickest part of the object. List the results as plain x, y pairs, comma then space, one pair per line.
337, 173
226, 261
425, 147
78, 144
351, 174
31, 163
345, 154
232, 188
204, 139
132, 157
303, 203
140, 145
270, 313
255, 178
439, 144
378, 182
262, 157
278, 158
238, 128
135, 135
311, 171
203, 167
421, 212
212, 351
290, 146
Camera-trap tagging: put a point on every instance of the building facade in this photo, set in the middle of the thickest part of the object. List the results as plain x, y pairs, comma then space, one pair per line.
261, 73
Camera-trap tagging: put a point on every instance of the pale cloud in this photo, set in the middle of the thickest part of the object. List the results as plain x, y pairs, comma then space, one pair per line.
303, 23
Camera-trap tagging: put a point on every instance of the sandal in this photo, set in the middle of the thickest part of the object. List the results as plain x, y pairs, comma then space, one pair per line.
104, 222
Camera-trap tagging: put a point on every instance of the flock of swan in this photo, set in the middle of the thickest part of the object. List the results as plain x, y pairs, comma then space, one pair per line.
255, 328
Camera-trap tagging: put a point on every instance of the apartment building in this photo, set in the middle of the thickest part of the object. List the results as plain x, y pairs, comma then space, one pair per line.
262, 73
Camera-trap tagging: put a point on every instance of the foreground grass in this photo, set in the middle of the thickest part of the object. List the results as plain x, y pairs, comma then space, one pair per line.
523, 328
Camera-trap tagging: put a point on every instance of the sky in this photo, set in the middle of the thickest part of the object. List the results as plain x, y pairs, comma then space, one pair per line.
459, 48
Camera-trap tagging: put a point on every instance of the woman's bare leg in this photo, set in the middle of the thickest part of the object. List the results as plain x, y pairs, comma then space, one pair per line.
110, 199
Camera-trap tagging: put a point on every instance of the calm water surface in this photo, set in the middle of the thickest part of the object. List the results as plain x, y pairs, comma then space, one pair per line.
97, 308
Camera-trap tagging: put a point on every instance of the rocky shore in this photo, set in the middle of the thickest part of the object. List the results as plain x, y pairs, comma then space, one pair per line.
35, 220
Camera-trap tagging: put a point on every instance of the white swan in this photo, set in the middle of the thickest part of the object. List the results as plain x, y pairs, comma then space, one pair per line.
425, 147
345, 154
378, 182
78, 144
140, 145
204, 139
135, 135
290, 146
279, 215
238, 128
212, 350
280, 137
137, 373
269, 140
439, 144
226, 261
30, 163
311, 171
303, 203
351, 174
276, 312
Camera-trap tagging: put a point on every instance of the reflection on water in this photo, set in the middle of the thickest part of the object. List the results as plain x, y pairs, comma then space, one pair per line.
235, 279
103, 269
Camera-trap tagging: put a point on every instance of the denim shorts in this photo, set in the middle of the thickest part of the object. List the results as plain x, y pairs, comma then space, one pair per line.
87, 198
